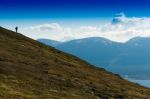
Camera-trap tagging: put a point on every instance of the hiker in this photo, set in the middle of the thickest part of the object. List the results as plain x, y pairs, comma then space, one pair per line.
16, 29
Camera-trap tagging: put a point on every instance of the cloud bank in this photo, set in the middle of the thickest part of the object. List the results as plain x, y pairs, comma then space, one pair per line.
120, 29
47, 27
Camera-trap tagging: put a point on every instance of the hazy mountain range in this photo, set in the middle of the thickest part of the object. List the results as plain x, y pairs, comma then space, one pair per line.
131, 58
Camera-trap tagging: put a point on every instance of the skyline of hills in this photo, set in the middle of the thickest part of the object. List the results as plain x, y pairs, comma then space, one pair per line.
128, 59
32, 70
74, 49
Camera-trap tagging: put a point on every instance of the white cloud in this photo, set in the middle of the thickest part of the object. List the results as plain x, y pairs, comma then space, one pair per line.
128, 27
121, 28
46, 27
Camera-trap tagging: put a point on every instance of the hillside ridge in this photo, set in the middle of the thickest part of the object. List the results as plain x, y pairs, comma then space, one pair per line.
32, 70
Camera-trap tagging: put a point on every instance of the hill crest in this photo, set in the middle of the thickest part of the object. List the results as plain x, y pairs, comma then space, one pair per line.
31, 70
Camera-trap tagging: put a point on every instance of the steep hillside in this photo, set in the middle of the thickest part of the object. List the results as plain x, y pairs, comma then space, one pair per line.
31, 70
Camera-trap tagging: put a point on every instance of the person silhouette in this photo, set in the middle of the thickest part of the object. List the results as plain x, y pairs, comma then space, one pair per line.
16, 29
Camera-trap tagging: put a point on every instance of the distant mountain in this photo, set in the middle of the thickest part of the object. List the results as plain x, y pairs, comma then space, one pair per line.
130, 58
32, 70
139, 41
49, 42
135, 58
96, 50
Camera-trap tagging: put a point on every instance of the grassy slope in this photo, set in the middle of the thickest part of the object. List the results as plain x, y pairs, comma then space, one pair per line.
31, 70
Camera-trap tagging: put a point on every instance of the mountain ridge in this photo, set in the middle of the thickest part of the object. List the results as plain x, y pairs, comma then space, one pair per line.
49, 42
123, 58
32, 70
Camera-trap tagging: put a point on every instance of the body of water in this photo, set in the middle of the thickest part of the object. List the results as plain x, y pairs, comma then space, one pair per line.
145, 83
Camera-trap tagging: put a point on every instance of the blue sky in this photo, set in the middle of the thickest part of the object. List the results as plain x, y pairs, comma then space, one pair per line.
31, 9
73, 18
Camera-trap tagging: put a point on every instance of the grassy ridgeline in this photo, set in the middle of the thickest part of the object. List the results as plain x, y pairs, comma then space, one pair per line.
31, 70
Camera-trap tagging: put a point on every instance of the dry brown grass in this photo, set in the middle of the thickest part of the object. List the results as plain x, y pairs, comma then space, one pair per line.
31, 70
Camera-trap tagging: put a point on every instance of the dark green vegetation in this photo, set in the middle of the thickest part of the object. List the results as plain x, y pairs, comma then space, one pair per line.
31, 70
